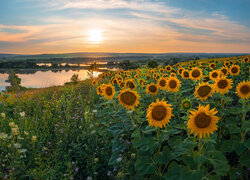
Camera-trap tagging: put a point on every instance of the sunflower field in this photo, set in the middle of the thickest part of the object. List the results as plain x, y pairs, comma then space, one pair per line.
186, 121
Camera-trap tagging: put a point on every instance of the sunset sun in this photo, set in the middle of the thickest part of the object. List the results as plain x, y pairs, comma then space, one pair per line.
95, 36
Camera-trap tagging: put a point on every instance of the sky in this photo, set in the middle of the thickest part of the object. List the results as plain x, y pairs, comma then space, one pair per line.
125, 26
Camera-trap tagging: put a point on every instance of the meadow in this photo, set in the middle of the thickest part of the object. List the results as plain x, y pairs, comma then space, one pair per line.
186, 121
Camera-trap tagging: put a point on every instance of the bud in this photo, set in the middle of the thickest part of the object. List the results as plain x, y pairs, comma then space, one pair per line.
22, 114
133, 155
120, 175
96, 160
3, 115
34, 138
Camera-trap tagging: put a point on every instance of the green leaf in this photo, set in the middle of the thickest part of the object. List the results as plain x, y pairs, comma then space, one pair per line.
244, 160
163, 157
144, 165
219, 162
174, 172
247, 143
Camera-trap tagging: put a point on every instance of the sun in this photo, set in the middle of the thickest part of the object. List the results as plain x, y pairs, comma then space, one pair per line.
95, 36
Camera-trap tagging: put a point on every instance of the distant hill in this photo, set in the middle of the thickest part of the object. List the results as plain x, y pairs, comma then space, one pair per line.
103, 56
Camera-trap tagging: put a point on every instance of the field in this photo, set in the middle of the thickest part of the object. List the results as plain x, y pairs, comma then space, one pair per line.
186, 121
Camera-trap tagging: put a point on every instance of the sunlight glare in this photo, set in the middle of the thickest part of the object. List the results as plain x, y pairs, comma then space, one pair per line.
95, 36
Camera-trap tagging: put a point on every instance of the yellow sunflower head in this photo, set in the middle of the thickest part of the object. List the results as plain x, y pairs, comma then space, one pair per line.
206, 79
108, 91
162, 82
243, 90
100, 90
122, 85
180, 71
212, 65
222, 85
246, 59
152, 89
161, 70
173, 84
128, 98
202, 91
185, 74
186, 104
196, 73
203, 122
172, 75
130, 84
94, 82
224, 71
159, 113
148, 77
168, 68
234, 70
214, 74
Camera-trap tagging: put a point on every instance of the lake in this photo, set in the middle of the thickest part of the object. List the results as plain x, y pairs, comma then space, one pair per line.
48, 78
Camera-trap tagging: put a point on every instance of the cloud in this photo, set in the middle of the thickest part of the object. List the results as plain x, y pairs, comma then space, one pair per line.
151, 27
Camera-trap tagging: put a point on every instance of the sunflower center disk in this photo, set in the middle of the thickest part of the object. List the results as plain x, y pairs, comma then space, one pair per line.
202, 120
234, 69
131, 85
224, 71
109, 91
203, 91
222, 84
214, 75
172, 84
159, 113
162, 83
245, 89
186, 74
196, 73
128, 98
152, 88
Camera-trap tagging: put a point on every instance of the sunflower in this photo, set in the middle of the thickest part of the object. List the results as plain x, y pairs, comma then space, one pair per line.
172, 75
100, 88
226, 63
128, 98
130, 84
148, 77
114, 81
186, 104
119, 78
196, 73
162, 82
168, 68
108, 91
246, 59
161, 70
222, 85
202, 91
159, 113
214, 74
243, 90
234, 70
205, 79
173, 84
94, 82
152, 89
136, 76
180, 71
212, 65
224, 70
185, 74
203, 121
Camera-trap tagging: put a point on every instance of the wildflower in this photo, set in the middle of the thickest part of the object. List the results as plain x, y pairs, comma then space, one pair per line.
34, 139
96, 160
3, 115
22, 114
15, 131
12, 124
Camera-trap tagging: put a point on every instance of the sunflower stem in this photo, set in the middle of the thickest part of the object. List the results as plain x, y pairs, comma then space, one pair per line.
243, 133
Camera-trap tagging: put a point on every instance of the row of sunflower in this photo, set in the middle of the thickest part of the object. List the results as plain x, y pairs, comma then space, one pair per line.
196, 97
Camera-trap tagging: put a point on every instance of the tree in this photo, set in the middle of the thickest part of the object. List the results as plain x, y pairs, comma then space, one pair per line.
74, 78
14, 81
152, 64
